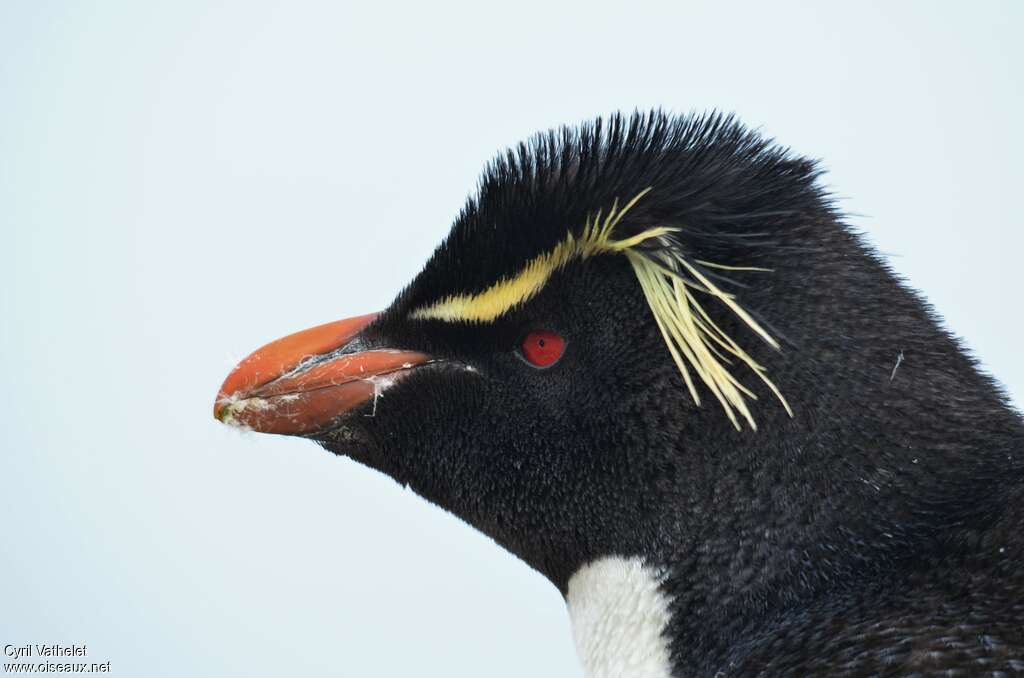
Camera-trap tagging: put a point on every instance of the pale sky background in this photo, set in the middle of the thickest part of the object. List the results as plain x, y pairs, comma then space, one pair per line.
182, 181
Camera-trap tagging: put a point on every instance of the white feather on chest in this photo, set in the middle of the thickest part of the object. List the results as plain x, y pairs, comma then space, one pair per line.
619, 614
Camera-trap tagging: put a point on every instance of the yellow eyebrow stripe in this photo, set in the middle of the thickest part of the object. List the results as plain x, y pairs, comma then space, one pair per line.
509, 292
500, 297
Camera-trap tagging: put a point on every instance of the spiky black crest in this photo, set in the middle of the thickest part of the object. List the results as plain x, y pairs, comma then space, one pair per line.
708, 174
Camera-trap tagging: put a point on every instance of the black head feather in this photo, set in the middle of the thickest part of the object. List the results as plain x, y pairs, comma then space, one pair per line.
900, 470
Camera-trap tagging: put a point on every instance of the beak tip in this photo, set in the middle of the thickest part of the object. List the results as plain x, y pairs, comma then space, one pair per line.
221, 408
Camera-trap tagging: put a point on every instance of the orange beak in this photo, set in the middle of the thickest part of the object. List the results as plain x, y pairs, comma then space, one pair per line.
299, 384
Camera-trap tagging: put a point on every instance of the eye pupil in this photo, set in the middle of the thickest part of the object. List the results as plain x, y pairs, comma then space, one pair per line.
542, 348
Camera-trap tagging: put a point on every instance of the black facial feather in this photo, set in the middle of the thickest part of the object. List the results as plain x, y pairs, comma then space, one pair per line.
891, 499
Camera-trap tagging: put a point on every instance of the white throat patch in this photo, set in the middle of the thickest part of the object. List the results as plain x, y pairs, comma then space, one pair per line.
619, 614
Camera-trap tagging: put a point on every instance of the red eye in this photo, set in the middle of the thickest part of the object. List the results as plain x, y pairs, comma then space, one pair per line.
543, 348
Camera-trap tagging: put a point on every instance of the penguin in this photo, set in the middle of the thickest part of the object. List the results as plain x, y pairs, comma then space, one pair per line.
652, 361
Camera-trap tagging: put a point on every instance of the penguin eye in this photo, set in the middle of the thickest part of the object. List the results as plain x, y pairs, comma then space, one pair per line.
542, 348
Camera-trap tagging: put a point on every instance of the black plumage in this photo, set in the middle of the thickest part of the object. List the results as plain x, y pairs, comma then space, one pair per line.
876, 531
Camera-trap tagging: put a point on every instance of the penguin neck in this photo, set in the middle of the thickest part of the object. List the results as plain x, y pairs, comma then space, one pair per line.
828, 504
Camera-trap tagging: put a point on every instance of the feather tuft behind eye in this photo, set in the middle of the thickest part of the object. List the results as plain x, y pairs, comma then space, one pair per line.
542, 348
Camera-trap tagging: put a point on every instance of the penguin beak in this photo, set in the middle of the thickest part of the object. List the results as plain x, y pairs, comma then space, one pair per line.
299, 384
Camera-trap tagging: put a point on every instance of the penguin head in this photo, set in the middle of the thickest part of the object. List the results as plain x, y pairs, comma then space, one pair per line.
576, 365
